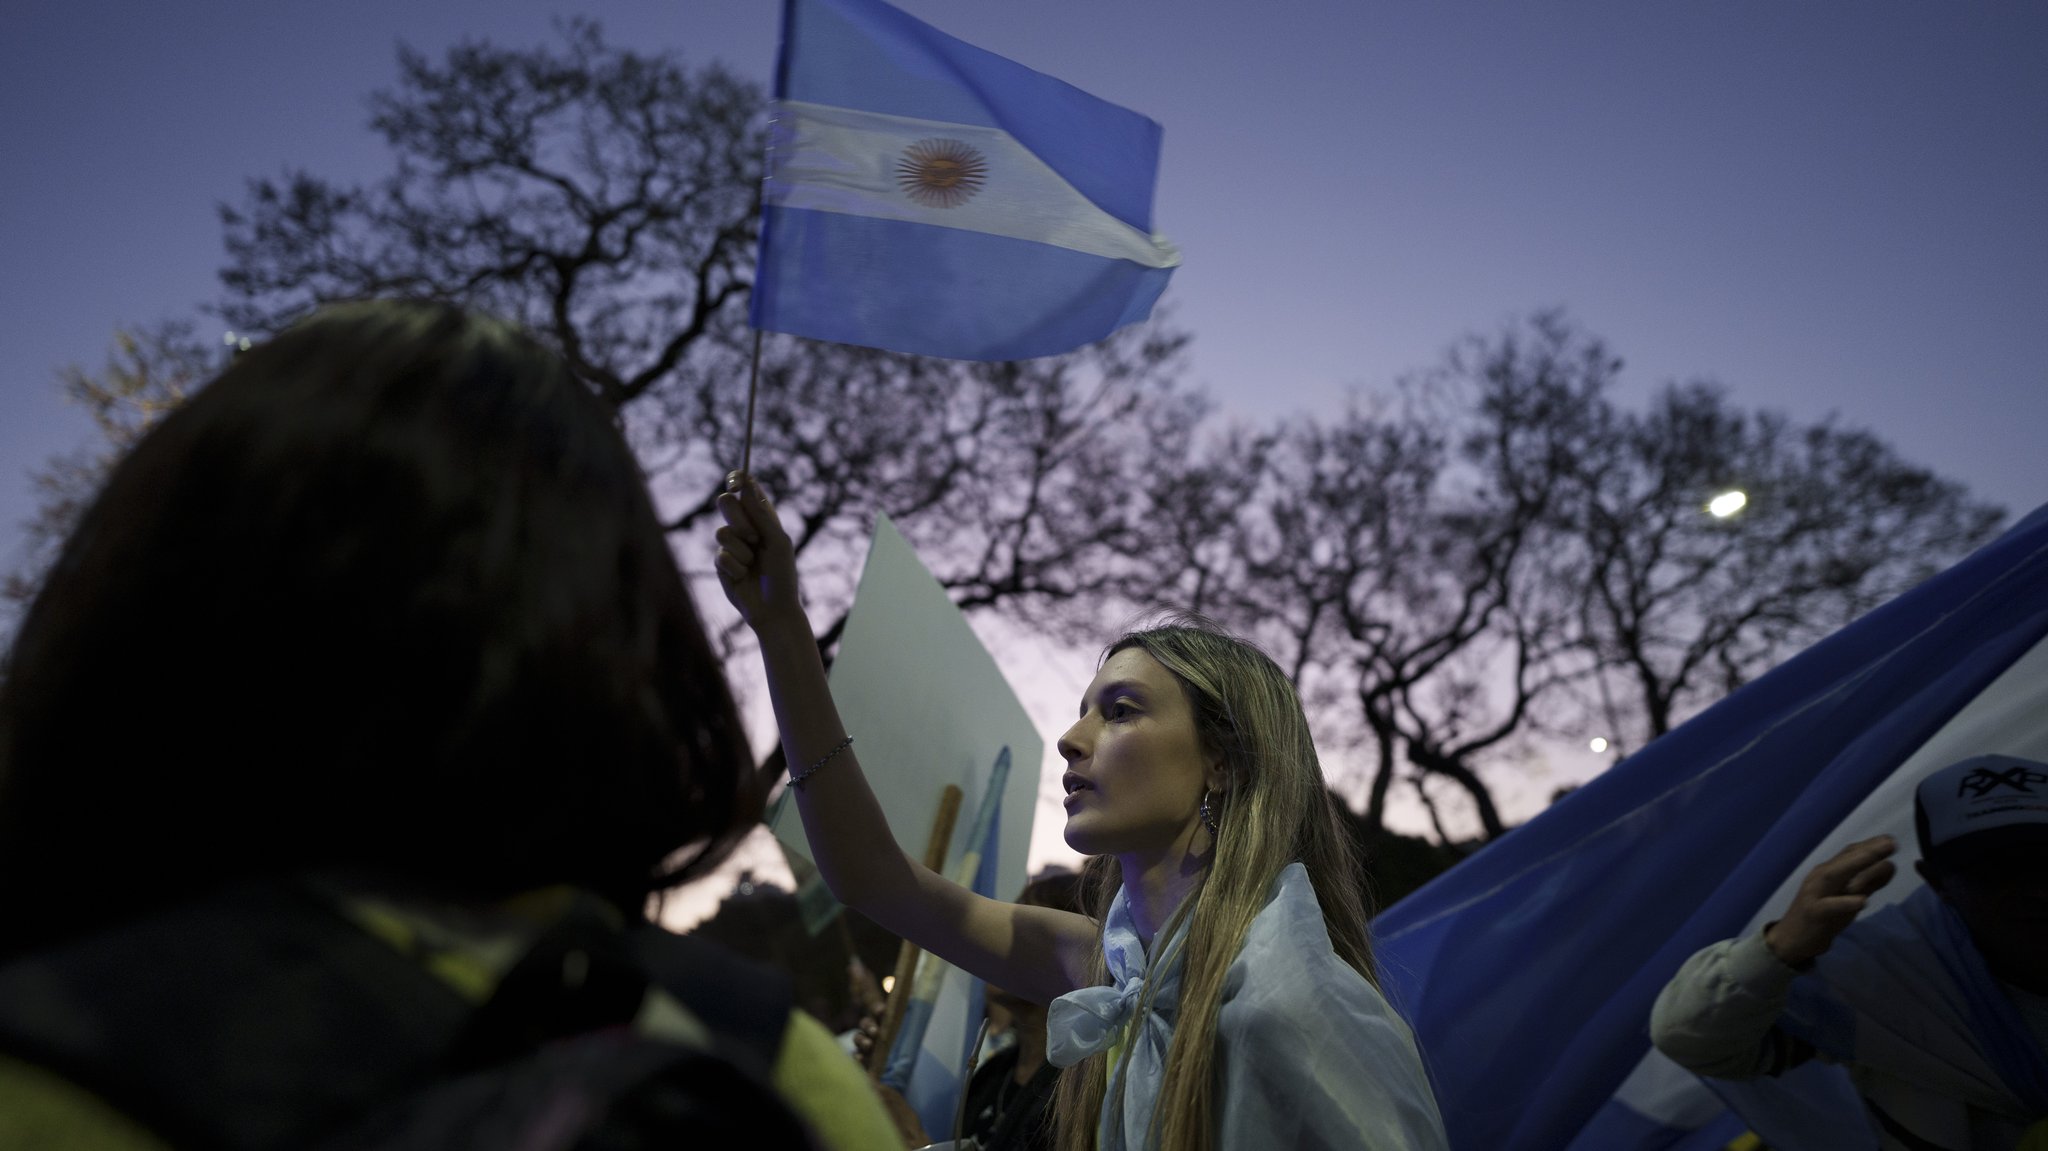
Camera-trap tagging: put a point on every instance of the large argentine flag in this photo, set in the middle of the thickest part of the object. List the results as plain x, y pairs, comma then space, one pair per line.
926, 196
1529, 970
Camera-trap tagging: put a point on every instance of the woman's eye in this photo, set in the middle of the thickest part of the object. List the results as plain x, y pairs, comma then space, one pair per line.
1121, 710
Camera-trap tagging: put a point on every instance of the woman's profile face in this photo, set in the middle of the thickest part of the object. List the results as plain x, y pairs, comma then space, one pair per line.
1135, 766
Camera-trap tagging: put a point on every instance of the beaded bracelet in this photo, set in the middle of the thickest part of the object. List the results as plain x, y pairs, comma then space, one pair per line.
797, 781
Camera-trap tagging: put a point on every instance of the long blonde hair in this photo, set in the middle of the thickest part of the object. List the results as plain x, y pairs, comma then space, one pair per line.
1275, 811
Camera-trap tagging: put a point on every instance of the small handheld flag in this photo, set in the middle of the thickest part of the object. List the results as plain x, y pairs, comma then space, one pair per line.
929, 197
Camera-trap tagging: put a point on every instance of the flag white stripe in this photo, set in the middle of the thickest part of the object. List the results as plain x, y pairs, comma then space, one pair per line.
830, 159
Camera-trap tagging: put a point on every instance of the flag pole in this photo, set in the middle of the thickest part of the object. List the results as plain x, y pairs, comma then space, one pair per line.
930, 968
753, 387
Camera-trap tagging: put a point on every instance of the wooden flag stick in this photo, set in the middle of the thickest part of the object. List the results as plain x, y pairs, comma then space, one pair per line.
906, 956
753, 387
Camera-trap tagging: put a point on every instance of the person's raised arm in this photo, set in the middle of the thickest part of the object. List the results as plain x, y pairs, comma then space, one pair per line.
1719, 1015
1037, 952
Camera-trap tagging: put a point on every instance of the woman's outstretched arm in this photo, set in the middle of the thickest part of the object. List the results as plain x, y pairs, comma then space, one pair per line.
1036, 952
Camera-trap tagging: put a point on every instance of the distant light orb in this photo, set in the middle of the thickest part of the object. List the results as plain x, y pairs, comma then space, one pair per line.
244, 343
1598, 744
1727, 504
888, 984
228, 339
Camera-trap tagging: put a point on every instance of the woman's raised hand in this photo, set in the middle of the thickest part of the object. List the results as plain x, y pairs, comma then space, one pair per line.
756, 562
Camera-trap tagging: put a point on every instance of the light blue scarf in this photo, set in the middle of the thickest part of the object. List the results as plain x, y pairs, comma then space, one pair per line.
1308, 1053
1090, 1020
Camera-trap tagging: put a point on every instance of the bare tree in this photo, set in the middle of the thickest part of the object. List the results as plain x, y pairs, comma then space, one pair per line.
1392, 594
1440, 577
1680, 606
608, 200
1477, 561
147, 373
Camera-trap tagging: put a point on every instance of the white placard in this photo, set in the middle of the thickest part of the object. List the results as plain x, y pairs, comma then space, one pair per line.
927, 706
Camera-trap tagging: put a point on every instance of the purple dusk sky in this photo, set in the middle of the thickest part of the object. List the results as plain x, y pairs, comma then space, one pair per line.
1829, 207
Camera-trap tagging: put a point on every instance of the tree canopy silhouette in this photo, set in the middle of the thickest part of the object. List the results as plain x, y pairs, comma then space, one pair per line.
1500, 551
608, 199
1493, 552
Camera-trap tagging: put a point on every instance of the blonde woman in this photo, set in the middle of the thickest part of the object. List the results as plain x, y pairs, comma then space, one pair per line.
1223, 993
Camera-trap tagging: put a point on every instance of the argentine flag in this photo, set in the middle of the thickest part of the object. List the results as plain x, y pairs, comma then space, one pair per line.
928, 1064
926, 196
1529, 970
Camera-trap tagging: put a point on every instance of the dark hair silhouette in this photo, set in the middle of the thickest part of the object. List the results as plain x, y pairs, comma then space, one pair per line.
1056, 888
388, 595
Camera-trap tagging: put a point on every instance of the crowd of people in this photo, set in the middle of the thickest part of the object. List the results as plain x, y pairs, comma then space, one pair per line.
366, 708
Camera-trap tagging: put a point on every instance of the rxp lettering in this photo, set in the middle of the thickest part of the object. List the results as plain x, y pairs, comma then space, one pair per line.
1983, 781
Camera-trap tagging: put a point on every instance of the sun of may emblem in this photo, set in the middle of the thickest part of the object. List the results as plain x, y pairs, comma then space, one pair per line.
941, 173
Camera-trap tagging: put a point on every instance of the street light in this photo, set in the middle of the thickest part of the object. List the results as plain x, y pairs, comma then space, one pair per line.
1726, 504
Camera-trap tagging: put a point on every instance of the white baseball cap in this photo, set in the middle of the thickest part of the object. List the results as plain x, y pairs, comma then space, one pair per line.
1978, 794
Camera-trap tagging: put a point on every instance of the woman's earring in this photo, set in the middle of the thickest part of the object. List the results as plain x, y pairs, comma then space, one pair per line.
1208, 812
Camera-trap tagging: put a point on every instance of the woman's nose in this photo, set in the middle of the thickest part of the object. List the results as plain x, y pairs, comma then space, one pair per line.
1070, 745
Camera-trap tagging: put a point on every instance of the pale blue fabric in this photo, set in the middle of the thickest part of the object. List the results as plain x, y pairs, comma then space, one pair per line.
947, 291
939, 291
868, 55
1309, 1054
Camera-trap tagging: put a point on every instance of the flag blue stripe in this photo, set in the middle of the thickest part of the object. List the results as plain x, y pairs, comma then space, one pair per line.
1529, 970
866, 54
934, 1093
903, 1054
1616, 1128
939, 291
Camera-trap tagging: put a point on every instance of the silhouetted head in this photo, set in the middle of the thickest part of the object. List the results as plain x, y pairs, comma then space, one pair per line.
389, 594
1983, 830
1056, 888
